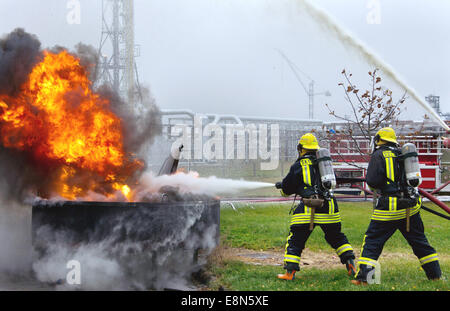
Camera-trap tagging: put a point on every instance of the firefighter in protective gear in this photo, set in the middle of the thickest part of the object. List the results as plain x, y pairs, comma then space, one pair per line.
386, 174
304, 179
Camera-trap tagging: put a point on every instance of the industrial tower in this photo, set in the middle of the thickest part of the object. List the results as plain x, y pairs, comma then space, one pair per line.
117, 51
434, 102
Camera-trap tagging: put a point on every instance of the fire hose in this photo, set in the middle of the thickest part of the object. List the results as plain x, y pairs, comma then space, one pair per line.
435, 213
440, 188
424, 193
434, 200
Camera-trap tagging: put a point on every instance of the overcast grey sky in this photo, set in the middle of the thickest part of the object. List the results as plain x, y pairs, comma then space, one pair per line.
219, 56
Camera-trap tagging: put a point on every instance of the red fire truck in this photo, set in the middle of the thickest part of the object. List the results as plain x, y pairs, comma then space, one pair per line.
351, 157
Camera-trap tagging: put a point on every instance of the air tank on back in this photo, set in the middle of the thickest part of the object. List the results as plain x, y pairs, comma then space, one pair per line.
326, 170
412, 169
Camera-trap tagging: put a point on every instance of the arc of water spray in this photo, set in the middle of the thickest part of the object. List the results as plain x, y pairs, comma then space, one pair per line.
344, 36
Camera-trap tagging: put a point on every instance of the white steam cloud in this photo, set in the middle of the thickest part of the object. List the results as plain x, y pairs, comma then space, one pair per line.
149, 248
193, 184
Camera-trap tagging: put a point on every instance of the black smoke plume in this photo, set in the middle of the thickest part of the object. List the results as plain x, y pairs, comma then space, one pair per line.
19, 53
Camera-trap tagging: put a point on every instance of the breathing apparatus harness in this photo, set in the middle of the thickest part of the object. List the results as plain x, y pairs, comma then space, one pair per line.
409, 178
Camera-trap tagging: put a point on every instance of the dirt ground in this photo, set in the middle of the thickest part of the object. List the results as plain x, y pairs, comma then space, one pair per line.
275, 258
309, 259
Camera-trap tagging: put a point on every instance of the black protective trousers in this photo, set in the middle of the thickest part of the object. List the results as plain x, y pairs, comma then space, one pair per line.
300, 233
380, 231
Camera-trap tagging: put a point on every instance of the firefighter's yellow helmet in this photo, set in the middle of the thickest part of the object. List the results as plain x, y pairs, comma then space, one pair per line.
309, 142
386, 134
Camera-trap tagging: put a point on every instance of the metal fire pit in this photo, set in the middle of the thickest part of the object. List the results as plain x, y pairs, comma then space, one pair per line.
135, 221
155, 227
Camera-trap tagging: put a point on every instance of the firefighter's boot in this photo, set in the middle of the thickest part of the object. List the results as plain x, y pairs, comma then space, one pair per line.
350, 265
289, 275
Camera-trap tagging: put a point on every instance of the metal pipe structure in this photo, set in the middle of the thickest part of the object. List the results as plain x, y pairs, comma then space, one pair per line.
172, 112
217, 118
170, 165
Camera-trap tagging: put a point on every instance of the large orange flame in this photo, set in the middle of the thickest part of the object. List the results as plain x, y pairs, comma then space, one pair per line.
60, 120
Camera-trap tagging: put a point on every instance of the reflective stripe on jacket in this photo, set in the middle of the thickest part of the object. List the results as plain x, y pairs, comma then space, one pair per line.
328, 214
385, 173
391, 212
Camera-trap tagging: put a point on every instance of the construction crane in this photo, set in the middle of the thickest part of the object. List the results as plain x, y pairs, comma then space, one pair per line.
310, 89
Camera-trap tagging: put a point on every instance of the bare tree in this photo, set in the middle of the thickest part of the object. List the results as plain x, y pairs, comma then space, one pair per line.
371, 110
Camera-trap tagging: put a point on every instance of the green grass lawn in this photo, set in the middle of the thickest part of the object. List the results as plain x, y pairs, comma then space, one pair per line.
403, 276
266, 226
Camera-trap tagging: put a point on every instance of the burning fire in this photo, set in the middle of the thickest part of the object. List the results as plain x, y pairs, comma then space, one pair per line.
68, 130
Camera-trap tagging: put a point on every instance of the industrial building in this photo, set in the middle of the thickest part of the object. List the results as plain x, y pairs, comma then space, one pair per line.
350, 155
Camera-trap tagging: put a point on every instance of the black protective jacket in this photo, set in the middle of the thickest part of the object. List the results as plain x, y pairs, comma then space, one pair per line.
385, 172
303, 180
